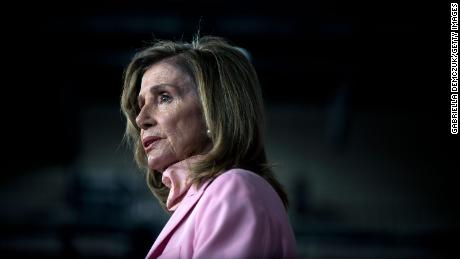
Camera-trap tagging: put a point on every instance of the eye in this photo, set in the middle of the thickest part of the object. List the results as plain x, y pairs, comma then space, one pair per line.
164, 98
140, 103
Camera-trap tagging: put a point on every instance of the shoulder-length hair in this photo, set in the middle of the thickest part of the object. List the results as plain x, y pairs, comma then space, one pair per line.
231, 101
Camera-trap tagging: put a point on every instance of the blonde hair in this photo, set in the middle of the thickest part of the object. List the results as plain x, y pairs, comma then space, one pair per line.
231, 100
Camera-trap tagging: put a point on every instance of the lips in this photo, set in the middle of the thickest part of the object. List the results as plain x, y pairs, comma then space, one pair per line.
149, 142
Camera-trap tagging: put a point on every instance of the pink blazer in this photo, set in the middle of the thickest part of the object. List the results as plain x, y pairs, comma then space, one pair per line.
237, 215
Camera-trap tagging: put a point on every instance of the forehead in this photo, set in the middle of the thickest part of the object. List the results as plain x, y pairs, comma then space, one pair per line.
165, 72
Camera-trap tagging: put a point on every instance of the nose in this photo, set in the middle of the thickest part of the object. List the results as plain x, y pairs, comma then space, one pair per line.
144, 119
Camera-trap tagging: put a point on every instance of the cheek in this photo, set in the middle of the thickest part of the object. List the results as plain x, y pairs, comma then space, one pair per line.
169, 119
187, 131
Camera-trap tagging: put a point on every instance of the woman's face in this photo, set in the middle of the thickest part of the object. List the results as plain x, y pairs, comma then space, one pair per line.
170, 118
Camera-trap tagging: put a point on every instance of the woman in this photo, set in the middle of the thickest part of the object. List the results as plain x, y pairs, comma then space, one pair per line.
194, 116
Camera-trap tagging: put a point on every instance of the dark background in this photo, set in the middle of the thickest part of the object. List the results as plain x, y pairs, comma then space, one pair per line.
357, 98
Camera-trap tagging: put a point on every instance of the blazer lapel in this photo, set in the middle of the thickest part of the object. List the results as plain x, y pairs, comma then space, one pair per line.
187, 203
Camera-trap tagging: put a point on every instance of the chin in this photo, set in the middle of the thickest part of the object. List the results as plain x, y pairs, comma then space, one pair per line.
161, 163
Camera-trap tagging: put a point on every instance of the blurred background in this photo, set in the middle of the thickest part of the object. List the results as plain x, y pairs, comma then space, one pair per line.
357, 102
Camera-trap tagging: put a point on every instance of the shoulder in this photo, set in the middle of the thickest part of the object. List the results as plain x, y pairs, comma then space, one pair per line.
240, 186
239, 175
239, 178
240, 216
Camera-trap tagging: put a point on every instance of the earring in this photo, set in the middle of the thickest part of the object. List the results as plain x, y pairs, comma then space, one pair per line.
208, 132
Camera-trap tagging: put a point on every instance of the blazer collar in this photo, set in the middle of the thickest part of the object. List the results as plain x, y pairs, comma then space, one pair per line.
191, 198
